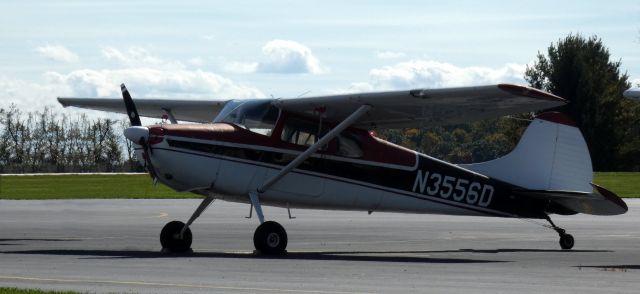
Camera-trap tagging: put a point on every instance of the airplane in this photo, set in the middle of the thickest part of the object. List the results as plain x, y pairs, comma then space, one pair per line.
321, 153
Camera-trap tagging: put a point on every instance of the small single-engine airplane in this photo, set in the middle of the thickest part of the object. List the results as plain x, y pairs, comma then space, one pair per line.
318, 153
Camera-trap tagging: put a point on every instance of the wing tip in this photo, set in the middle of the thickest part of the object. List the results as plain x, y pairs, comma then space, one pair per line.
530, 92
63, 101
632, 93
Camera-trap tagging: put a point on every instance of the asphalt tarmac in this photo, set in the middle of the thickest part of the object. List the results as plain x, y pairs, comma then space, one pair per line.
112, 246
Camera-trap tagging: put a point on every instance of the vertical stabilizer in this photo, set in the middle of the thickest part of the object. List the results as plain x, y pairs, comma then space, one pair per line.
551, 155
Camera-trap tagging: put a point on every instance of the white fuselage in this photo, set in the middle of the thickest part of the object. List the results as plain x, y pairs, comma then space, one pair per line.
232, 178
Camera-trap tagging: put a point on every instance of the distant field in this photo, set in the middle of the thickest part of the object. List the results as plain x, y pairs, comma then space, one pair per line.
625, 184
84, 187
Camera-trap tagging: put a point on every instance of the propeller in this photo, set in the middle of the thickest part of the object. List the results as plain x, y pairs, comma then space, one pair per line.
132, 112
138, 134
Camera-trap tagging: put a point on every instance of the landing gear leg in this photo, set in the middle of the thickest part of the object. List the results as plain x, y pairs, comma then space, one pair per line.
176, 236
566, 240
270, 238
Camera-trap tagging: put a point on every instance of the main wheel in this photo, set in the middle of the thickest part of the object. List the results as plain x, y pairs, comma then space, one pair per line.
566, 241
270, 238
170, 237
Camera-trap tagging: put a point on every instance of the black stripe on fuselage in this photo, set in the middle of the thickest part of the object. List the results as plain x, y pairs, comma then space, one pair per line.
380, 177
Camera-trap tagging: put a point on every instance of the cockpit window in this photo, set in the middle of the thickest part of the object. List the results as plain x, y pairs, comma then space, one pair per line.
255, 115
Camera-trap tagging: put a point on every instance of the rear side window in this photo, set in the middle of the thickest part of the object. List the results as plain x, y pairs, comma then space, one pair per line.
300, 132
348, 146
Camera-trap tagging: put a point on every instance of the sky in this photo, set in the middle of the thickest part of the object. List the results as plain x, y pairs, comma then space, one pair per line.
253, 49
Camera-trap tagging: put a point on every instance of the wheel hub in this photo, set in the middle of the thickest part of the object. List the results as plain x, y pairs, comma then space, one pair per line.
273, 240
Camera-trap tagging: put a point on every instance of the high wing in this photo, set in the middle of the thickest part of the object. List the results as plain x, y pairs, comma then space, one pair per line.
425, 107
393, 109
633, 93
181, 109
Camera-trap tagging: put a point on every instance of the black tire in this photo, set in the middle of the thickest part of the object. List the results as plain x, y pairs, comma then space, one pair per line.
270, 238
170, 240
566, 241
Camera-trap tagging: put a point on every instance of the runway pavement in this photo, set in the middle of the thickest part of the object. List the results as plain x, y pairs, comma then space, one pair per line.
112, 246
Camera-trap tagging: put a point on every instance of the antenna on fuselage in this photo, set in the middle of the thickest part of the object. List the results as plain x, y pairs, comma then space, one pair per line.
305, 93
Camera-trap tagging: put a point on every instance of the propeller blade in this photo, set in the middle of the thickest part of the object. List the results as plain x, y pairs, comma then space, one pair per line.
132, 112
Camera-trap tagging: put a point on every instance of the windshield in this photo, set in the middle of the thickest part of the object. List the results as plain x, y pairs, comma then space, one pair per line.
256, 115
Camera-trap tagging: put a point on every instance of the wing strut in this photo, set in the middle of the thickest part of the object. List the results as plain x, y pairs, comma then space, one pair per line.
172, 118
313, 148
351, 119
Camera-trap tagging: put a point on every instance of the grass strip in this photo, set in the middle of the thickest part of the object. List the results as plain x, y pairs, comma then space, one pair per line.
85, 187
625, 184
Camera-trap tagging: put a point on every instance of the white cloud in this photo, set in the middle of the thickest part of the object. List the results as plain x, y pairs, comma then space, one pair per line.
149, 82
29, 96
283, 57
138, 57
197, 61
389, 54
434, 74
241, 67
145, 75
57, 53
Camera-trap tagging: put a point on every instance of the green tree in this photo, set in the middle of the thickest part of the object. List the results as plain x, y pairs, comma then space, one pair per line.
580, 70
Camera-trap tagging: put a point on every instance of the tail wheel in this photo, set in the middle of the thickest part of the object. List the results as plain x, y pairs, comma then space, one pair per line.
270, 238
171, 240
566, 241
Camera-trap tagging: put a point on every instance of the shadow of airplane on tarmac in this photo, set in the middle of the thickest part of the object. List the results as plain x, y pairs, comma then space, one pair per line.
3, 241
377, 256
612, 268
310, 255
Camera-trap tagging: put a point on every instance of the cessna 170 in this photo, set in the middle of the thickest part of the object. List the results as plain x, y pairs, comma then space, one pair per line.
319, 153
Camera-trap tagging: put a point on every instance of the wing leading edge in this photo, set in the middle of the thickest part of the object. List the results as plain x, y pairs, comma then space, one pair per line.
425, 107
186, 110
393, 109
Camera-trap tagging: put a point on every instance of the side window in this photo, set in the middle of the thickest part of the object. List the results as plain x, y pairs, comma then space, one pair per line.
348, 146
305, 133
299, 132
298, 137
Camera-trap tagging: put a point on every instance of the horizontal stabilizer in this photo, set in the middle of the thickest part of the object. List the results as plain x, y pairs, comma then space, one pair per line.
599, 202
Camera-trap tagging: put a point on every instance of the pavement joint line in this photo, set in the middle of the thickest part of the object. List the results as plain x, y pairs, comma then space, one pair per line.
177, 285
161, 215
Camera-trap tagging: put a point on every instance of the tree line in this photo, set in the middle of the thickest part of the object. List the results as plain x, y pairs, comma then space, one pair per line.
46, 141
